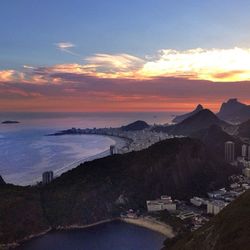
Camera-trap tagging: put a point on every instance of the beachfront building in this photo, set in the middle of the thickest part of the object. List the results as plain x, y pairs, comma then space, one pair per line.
48, 177
165, 203
215, 206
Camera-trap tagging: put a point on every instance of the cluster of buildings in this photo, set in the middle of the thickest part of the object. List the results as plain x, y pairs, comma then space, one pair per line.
136, 140
214, 204
219, 199
198, 210
142, 139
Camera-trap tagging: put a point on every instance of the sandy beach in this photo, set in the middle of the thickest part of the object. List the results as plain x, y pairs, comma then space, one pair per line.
152, 225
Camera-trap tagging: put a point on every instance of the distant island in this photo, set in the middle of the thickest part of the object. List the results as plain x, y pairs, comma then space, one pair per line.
10, 122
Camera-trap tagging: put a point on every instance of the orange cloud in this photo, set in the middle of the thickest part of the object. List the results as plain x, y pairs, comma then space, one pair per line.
7, 75
217, 65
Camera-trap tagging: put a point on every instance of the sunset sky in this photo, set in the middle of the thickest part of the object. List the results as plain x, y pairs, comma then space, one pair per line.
114, 55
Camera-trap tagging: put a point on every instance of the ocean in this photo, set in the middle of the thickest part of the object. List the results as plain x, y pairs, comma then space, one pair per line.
26, 152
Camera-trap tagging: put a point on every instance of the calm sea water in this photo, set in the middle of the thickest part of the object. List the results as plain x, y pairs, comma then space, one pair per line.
110, 236
25, 151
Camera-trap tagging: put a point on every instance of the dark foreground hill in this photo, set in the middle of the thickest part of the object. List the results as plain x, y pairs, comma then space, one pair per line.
229, 230
101, 189
180, 118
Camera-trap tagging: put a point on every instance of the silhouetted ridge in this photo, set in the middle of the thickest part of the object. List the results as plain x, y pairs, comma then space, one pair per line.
201, 120
181, 118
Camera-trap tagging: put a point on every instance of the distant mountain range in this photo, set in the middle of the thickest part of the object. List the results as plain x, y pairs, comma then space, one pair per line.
229, 230
200, 120
181, 118
234, 111
231, 111
101, 189
137, 125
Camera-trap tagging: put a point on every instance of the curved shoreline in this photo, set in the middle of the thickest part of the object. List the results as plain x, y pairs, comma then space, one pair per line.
152, 225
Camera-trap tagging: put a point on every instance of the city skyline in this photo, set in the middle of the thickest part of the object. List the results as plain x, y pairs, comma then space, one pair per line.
114, 56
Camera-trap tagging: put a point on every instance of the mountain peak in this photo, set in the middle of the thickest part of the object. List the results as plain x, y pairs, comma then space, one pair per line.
199, 107
200, 120
204, 116
181, 118
234, 111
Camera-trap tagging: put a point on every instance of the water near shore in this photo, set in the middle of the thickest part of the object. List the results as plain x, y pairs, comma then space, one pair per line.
109, 236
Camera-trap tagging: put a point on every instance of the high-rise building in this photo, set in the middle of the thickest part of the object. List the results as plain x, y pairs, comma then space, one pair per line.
229, 151
47, 177
244, 151
113, 150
